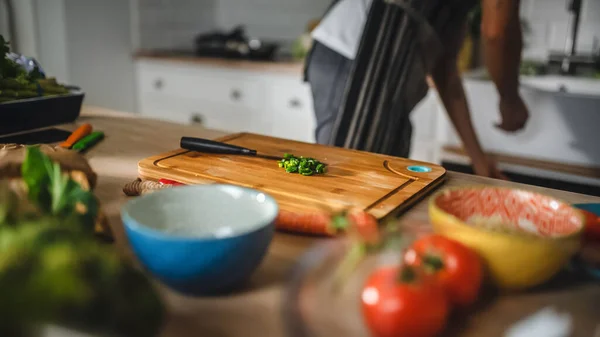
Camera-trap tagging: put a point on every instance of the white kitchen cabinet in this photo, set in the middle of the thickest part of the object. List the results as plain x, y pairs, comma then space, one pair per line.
204, 83
207, 114
213, 97
233, 100
290, 102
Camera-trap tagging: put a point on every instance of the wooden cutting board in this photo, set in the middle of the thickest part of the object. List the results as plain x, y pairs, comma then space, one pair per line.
377, 183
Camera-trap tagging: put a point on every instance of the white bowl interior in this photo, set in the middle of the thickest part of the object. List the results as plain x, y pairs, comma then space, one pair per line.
209, 211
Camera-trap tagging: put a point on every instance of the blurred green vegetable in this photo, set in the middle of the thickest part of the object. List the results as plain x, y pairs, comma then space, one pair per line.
53, 271
52, 275
8, 68
16, 83
54, 192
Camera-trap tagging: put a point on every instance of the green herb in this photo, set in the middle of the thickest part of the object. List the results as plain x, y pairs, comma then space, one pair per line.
53, 271
48, 274
301, 165
54, 192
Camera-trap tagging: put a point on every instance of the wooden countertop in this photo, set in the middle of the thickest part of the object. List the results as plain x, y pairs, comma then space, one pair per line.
256, 311
286, 67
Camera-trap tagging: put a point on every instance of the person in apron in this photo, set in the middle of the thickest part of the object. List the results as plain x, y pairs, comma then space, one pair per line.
336, 41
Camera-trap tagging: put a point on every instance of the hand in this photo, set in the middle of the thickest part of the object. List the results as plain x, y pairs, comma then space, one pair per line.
514, 113
488, 168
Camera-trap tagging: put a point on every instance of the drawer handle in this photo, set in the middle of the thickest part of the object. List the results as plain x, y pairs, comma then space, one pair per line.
236, 94
158, 84
197, 119
295, 103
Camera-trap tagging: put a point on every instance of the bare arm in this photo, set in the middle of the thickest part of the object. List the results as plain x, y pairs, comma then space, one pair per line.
503, 43
447, 80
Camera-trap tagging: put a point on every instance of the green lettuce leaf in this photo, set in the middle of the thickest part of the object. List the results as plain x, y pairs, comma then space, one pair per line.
54, 192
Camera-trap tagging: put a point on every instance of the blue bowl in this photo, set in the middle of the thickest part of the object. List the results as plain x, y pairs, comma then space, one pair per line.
201, 240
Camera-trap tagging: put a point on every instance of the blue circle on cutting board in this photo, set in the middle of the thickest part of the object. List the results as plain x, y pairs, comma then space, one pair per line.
419, 169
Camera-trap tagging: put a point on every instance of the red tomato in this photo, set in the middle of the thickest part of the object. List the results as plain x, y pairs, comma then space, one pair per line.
400, 302
455, 267
592, 226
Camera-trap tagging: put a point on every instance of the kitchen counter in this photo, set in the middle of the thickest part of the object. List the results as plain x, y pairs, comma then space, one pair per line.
284, 66
256, 311
292, 67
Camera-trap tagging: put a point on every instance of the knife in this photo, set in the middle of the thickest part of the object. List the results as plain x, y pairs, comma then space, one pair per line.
211, 146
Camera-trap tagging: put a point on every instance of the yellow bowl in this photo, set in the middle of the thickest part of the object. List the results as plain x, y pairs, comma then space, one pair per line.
524, 238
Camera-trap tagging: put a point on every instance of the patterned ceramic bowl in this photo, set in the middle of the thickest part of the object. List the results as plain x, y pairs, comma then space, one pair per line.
525, 238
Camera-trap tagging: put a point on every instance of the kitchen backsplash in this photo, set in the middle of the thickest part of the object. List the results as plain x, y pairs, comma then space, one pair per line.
174, 23
271, 19
550, 26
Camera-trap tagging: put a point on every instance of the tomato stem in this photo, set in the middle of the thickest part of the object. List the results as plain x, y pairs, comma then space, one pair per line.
340, 222
407, 274
433, 262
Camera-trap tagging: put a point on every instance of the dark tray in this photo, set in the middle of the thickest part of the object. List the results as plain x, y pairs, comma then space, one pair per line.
40, 112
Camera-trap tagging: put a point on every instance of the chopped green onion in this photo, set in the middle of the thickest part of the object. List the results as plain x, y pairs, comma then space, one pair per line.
291, 169
302, 165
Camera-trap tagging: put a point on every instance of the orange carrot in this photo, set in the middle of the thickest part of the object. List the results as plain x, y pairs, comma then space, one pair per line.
312, 223
315, 223
364, 225
81, 132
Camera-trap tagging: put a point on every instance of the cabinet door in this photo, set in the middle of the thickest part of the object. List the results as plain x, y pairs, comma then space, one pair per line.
196, 81
163, 108
291, 108
210, 115
217, 98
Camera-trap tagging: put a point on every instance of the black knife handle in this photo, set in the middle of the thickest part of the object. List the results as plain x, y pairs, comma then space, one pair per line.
211, 146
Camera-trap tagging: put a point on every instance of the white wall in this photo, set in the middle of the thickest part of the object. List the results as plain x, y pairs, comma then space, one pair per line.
99, 50
168, 24
88, 43
24, 22
270, 19
549, 22
175, 23
51, 35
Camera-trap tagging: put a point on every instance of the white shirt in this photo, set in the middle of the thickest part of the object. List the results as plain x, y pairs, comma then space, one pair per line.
341, 29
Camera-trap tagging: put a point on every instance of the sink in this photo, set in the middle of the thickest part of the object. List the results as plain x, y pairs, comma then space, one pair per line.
564, 124
563, 86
